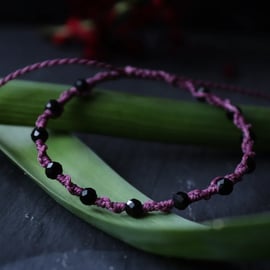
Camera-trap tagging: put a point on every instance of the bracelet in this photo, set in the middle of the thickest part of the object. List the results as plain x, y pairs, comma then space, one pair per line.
222, 185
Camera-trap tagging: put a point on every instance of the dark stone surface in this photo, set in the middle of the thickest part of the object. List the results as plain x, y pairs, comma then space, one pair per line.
36, 233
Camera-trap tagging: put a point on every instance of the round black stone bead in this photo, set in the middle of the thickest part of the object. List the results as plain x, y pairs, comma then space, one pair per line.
53, 169
39, 134
134, 208
81, 85
55, 107
181, 200
230, 114
225, 186
88, 196
251, 164
202, 89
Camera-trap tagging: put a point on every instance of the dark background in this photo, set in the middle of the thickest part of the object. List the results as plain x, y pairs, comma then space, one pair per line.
226, 16
221, 42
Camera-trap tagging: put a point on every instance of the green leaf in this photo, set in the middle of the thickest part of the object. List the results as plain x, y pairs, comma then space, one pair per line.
126, 115
164, 234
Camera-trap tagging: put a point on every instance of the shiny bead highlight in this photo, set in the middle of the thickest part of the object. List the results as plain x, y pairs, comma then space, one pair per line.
55, 107
39, 134
134, 208
53, 169
81, 85
88, 196
202, 89
225, 186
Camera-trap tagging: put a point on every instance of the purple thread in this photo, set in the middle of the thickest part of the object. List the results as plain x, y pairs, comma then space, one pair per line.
105, 202
52, 63
43, 158
159, 75
72, 188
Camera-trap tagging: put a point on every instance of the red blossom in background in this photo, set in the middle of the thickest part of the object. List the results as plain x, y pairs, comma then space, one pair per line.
105, 26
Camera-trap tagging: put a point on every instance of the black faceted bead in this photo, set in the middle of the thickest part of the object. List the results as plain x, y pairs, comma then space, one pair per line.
81, 85
53, 169
55, 107
230, 114
251, 164
88, 196
134, 208
202, 89
39, 134
225, 186
181, 200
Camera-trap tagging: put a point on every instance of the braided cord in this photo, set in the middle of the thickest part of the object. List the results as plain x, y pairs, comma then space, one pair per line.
158, 75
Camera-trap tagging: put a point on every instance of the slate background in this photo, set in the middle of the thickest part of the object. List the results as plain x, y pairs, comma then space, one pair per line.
36, 233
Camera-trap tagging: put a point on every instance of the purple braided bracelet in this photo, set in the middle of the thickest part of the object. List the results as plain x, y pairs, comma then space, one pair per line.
219, 185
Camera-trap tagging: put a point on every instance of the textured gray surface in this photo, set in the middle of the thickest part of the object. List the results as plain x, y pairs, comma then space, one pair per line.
36, 233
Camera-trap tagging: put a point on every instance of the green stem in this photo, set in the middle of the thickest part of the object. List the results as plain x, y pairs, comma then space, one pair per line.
126, 115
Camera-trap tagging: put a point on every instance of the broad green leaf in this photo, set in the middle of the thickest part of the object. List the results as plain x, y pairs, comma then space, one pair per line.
164, 234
